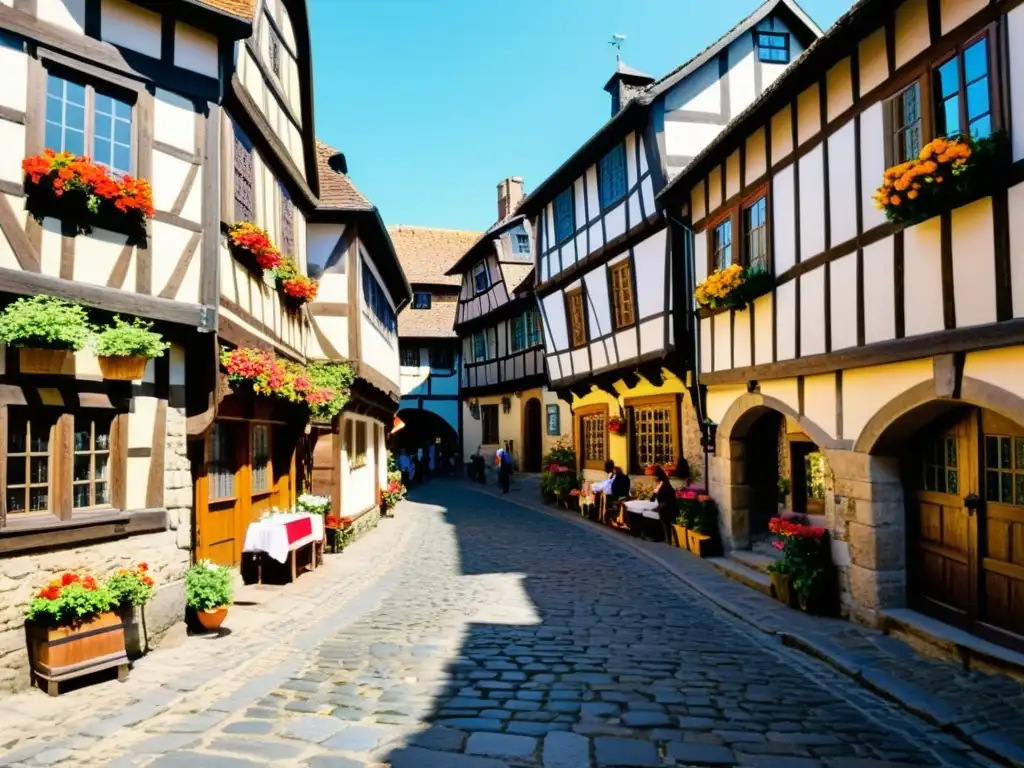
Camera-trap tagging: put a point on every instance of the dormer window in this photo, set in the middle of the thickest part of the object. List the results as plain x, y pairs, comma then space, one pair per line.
773, 47
563, 216
421, 301
481, 277
522, 242
611, 176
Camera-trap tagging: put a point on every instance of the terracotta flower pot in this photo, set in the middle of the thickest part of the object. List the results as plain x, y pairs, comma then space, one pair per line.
35, 360
211, 620
123, 368
781, 588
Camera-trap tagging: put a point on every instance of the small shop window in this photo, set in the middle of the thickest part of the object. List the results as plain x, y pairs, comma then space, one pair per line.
260, 460
622, 294
220, 467
1004, 470
359, 452
593, 438
91, 475
28, 462
654, 427
489, 420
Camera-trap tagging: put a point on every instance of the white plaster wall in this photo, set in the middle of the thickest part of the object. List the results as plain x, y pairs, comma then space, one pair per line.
911, 33
808, 113
866, 390
783, 220
974, 264
879, 292
755, 156
839, 84
723, 341
820, 401
812, 312
812, 204
872, 163
873, 64
741, 339
1015, 35
174, 120
69, 14
1016, 203
923, 274
556, 334
131, 27
763, 331
11, 135
785, 321
195, 50
843, 302
649, 261
14, 83
842, 187
595, 294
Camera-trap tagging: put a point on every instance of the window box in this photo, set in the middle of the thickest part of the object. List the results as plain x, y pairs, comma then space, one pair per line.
38, 360
84, 195
64, 653
295, 288
252, 246
732, 288
946, 174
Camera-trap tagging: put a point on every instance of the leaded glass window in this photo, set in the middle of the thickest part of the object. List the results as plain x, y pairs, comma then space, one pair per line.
260, 458
941, 465
91, 473
1004, 469
593, 431
28, 462
654, 434
220, 468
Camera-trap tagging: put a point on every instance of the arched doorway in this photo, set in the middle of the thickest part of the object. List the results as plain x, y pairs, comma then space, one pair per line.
762, 460
963, 478
424, 429
533, 424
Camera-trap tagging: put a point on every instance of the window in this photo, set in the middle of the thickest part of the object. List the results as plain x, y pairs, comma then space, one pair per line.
28, 462
441, 358
721, 244
410, 356
481, 277
421, 301
963, 93
593, 436
520, 240
287, 223
940, 466
577, 318
357, 458
220, 467
275, 51
533, 334
245, 207
91, 474
907, 120
773, 47
489, 419
260, 460
519, 333
479, 346
107, 138
554, 418
654, 431
611, 176
622, 294
377, 302
1004, 470
563, 216
755, 234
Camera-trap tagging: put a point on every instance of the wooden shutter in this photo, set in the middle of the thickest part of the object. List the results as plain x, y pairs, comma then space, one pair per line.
622, 294
244, 206
287, 223
577, 318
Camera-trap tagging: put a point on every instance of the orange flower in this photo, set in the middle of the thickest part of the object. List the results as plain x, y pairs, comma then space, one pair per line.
912, 194
894, 200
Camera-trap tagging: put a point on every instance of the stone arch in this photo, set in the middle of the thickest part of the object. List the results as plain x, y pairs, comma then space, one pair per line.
745, 410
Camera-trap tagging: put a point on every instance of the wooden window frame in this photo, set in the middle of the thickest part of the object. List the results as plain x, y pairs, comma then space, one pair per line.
274, 46
579, 415
91, 83
61, 472
242, 170
608, 203
565, 194
484, 409
477, 357
514, 347
481, 269
654, 401
357, 458
534, 328
991, 35
773, 33
520, 246
269, 488
735, 214
618, 315
92, 415
570, 296
745, 254
890, 106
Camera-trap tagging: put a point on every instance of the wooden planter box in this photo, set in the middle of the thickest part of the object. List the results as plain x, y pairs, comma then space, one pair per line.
35, 360
123, 368
681, 536
58, 654
700, 544
782, 588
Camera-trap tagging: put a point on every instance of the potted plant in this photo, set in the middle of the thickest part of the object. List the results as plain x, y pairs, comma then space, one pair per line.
123, 349
314, 505
293, 285
702, 534
616, 426
339, 532
733, 287
685, 503
84, 193
47, 332
208, 593
72, 630
393, 493
252, 244
802, 575
783, 486
131, 589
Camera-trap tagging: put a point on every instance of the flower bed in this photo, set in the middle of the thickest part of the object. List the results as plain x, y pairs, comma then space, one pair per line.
948, 172
806, 564
253, 242
76, 189
733, 287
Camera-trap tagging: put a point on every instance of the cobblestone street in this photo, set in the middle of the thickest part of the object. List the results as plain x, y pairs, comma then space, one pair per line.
483, 634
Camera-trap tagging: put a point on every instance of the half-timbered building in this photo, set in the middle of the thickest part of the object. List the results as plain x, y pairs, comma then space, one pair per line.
606, 279
880, 372
429, 348
355, 318
505, 399
94, 472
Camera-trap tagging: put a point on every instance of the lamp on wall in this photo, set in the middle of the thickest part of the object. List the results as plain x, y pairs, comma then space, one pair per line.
506, 404
474, 409
518, 393
708, 438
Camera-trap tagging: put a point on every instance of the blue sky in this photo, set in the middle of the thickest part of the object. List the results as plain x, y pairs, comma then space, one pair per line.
433, 102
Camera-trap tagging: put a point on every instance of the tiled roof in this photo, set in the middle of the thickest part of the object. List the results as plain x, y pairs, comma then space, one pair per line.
243, 9
426, 253
336, 189
438, 322
463, 262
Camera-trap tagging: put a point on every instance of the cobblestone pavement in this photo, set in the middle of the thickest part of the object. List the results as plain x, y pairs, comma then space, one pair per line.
489, 635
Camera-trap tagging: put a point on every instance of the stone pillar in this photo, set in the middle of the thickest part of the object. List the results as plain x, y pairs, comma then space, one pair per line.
727, 485
870, 539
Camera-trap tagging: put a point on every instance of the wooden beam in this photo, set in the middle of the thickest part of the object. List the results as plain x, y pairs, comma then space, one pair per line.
53, 534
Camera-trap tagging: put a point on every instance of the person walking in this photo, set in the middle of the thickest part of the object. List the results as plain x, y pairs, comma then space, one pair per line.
504, 461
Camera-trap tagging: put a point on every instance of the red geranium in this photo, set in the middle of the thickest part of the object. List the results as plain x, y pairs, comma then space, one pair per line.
784, 527
300, 288
249, 237
64, 172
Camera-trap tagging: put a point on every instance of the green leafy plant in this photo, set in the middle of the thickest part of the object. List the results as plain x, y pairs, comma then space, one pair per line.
314, 505
806, 556
338, 378
45, 322
131, 586
68, 600
207, 586
134, 339
783, 486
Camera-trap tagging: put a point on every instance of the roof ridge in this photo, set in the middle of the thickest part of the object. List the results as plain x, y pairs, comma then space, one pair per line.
434, 229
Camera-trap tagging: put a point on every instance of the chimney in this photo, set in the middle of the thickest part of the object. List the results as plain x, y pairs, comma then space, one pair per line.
625, 85
510, 195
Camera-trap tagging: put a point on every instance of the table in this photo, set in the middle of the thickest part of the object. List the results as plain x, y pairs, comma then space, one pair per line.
281, 536
645, 510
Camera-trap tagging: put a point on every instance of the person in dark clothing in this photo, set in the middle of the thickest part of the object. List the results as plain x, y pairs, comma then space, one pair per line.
504, 462
665, 497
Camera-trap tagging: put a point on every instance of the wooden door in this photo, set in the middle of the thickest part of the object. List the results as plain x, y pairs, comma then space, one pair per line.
262, 481
942, 531
1001, 532
532, 430
217, 495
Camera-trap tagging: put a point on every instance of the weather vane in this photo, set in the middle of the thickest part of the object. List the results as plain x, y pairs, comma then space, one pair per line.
616, 43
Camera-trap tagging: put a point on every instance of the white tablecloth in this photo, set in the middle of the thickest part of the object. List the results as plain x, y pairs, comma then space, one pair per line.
646, 508
269, 535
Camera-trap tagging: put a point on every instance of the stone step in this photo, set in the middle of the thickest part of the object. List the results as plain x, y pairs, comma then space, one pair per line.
744, 574
758, 561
